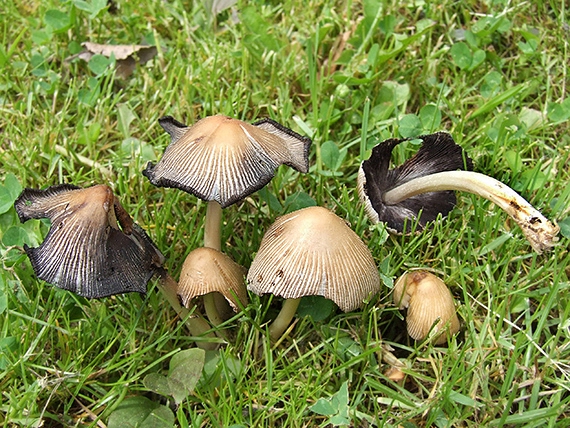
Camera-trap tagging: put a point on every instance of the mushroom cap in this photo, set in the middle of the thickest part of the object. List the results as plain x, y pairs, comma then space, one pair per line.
428, 301
223, 159
207, 270
437, 153
313, 252
85, 251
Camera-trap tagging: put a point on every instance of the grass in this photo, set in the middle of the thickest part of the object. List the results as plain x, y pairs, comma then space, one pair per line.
494, 74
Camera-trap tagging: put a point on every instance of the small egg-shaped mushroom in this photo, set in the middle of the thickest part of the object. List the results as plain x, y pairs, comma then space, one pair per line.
430, 305
206, 270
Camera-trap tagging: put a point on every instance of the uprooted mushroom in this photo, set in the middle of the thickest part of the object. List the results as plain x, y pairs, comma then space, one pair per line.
420, 189
222, 160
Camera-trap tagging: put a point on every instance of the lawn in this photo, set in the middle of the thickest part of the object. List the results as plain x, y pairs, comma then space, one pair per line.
349, 75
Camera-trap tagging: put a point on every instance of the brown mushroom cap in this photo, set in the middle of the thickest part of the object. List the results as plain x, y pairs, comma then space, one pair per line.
85, 251
207, 270
223, 159
313, 252
438, 153
428, 301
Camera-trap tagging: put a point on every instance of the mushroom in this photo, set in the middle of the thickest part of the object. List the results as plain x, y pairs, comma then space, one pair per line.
308, 252
222, 160
93, 247
430, 306
85, 251
422, 185
206, 270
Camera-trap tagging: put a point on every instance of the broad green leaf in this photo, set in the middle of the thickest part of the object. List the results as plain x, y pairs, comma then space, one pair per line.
410, 126
430, 117
565, 227
99, 64
297, 201
330, 154
559, 112
461, 55
514, 160
157, 383
126, 116
316, 307
58, 21
270, 199
15, 236
185, 371
140, 412
323, 407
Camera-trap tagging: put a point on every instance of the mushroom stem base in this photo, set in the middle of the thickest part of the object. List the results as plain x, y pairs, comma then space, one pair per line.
196, 324
280, 324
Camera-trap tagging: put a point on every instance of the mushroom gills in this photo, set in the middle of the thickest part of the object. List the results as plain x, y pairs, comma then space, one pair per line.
85, 251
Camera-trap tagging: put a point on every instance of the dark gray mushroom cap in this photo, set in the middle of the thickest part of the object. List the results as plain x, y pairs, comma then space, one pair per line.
312, 252
223, 159
438, 153
85, 251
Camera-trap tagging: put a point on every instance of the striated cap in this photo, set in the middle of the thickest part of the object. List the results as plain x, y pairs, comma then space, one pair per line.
207, 270
85, 251
312, 251
438, 153
429, 303
223, 159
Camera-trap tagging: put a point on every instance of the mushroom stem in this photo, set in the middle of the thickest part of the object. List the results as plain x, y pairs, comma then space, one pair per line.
539, 231
283, 320
213, 239
197, 325
213, 226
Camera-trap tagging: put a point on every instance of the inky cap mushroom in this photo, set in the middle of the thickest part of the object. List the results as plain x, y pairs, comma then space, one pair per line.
438, 153
223, 159
312, 252
206, 270
419, 185
85, 251
430, 306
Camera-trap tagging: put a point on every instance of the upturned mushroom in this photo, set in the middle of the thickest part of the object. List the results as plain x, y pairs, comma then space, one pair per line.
422, 185
93, 247
222, 160
309, 252
430, 306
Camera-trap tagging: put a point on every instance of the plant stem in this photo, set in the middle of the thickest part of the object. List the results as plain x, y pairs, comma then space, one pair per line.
197, 325
539, 231
280, 324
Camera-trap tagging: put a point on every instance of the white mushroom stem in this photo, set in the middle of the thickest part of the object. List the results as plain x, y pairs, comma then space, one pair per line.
213, 226
197, 325
213, 239
283, 320
539, 231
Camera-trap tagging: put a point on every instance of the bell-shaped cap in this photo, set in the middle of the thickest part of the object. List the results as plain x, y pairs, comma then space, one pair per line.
207, 270
223, 159
429, 303
437, 153
312, 251
85, 251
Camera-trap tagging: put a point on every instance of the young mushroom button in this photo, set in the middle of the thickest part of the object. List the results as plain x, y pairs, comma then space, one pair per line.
430, 305
312, 252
